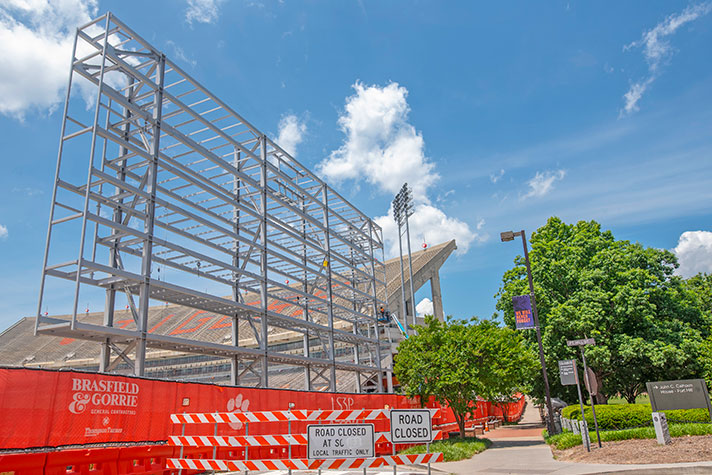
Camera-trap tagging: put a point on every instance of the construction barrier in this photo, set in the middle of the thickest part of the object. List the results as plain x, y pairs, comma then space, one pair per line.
305, 464
281, 416
261, 440
76, 408
49, 408
258, 461
24, 464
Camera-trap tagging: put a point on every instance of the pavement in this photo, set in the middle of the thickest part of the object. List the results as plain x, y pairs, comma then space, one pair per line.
520, 449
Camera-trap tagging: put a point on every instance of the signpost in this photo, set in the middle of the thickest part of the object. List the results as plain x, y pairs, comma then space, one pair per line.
680, 394
340, 441
591, 383
411, 426
589, 379
581, 342
567, 372
569, 377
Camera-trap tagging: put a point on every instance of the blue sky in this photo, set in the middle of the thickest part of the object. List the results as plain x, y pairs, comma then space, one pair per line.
499, 115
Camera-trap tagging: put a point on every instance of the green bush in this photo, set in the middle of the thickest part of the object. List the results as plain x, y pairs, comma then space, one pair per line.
568, 439
624, 416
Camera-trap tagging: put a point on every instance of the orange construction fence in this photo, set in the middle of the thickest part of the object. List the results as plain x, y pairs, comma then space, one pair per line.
45, 408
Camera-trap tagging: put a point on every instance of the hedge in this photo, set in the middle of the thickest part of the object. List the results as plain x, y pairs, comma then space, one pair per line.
624, 416
567, 439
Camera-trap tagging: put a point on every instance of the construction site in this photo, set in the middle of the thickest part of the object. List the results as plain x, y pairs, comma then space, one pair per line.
193, 266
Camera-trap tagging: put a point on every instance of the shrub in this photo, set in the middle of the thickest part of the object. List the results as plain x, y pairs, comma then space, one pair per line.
625, 416
566, 439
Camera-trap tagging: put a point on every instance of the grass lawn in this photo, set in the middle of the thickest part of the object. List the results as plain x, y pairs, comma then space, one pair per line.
455, 448
641, 399
567, 439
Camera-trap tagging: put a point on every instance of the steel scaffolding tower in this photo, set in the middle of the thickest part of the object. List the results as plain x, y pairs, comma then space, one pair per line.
186, 202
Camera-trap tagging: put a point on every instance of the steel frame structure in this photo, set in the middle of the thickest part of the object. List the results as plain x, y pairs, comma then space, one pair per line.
180, 182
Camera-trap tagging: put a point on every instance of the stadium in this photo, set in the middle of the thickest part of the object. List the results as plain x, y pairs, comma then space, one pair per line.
195, 267
20, 348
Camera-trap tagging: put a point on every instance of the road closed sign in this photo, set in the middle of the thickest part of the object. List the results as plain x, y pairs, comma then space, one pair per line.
411, 426
339, 441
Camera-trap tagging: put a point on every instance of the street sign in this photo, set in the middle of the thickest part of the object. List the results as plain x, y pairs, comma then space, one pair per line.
681, 394
581, 342
567, 372
338, 441
591, 382
410, 426
523, 318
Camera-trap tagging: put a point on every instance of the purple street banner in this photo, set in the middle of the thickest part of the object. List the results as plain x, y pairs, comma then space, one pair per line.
523, 317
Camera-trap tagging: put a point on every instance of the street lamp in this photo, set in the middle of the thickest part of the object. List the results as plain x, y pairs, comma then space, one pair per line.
509, 236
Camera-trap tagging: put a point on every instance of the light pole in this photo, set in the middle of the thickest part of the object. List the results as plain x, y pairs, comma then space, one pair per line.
509, 236
402, 209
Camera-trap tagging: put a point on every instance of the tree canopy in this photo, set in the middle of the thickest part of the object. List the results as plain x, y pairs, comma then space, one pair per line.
456, 361
647, 322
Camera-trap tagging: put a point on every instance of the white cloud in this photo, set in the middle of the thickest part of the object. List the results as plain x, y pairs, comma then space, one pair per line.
656, 49
35, 48
291, 133
543, 182
694, 253
381, 146
495, 177
384, 149
202, 11
634, 94
425, 307
430, 224
179, 53
3, 231
28, 191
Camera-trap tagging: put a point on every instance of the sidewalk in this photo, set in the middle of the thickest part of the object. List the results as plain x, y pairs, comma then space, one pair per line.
521, 449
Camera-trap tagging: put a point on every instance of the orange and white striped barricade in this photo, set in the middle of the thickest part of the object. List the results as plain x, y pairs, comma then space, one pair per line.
281, 416
304, 464
261, 440
412, 459
326, 417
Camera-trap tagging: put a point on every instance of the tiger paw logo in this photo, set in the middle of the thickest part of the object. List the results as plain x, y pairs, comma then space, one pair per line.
237, 404
79, 403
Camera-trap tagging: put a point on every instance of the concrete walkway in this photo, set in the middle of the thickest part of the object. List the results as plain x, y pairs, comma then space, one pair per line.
521, 449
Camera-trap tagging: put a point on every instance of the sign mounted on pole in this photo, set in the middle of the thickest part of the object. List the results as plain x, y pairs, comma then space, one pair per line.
581, 342
411, 426
339, 441
523, 318
589, 379
567, 372
681, 394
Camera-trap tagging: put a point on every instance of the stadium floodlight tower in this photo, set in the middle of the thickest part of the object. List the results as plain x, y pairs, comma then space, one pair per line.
172, 197
402, 210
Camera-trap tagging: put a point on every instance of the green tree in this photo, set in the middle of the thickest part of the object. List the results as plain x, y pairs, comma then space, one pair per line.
647, 323
701, 286
456, 361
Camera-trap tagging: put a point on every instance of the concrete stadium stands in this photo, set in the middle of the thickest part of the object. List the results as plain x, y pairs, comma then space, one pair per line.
18, 346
